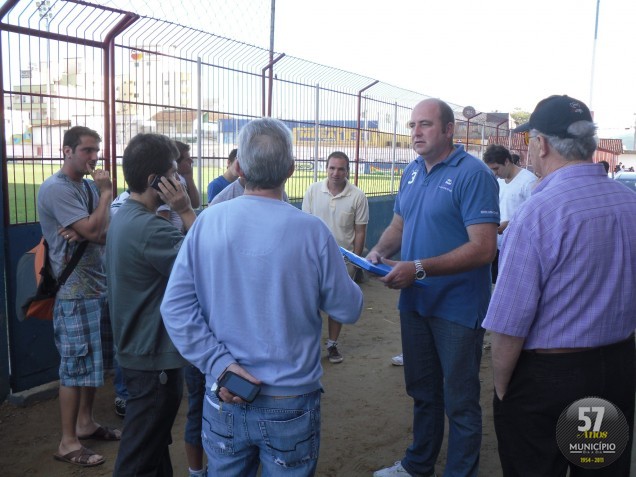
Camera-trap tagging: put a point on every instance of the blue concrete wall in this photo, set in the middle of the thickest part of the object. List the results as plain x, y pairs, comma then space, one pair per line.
380, 215
34, 357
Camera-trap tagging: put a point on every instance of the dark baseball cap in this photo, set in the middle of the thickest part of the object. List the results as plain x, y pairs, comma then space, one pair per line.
553, 115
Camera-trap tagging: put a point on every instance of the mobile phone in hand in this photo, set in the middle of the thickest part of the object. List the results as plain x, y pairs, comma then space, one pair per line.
155, 182
239, 386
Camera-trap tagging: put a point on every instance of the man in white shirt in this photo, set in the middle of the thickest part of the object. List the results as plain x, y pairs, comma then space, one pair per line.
345, 210
515, 186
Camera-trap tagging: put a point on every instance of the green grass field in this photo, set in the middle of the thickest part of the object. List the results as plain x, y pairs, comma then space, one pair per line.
24, 180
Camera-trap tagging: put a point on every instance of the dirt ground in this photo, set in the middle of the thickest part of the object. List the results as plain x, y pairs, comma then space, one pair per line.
366, 414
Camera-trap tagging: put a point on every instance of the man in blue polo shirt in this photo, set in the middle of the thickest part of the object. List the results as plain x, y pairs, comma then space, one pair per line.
445, 223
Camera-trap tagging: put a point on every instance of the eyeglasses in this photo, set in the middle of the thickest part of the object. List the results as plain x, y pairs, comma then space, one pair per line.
527, 137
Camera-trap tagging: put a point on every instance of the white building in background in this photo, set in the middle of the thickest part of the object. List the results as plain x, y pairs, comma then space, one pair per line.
55, 95
153, 94
628, 159
17, 126
51, 101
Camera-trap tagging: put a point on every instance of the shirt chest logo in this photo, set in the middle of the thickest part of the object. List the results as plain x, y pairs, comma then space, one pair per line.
447, 185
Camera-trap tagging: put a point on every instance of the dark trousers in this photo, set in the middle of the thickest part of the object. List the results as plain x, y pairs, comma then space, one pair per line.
541, 388
151, 409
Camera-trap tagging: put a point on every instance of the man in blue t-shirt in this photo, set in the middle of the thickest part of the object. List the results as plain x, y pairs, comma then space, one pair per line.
225, 179
445, 224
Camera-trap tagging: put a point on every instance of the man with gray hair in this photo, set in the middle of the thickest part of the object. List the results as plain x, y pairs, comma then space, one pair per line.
245, 296
562, 314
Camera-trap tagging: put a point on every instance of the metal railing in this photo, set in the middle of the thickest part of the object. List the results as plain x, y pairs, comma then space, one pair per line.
69, 62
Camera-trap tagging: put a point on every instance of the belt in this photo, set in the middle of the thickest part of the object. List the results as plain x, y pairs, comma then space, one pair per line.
576, 350
559, 350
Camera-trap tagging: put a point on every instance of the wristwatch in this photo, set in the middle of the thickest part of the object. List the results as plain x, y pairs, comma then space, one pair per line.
419, 270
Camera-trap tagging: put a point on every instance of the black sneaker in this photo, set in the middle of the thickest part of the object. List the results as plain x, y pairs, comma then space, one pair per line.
334, 355
120, 407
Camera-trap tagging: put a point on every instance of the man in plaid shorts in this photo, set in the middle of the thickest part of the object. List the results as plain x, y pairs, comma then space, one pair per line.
81, 321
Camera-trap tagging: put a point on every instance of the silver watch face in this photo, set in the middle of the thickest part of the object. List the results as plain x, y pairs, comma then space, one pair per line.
419, 270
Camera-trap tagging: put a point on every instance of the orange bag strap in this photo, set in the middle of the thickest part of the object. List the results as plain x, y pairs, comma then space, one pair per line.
40, 251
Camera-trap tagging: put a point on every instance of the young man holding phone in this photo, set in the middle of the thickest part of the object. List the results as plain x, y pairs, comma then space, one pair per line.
140, 250
185, 177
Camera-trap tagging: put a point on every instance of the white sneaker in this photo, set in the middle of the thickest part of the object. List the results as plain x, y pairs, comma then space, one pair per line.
396, 469
398, 360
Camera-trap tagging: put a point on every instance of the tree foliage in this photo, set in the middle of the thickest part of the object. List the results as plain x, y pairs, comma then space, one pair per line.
520, 116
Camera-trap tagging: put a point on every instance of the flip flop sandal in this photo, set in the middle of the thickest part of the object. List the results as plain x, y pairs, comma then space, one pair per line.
102, 433
80, 457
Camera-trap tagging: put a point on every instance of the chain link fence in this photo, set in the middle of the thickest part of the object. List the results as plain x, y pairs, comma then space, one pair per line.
124, 67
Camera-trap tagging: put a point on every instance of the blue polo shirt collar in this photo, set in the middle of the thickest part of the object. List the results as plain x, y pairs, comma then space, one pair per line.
453, 159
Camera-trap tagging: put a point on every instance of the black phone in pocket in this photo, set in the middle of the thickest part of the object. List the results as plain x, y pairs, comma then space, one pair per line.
239, 386
155, 182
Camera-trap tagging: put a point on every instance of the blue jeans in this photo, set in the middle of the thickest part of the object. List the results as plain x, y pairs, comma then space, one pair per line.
195, 382
441, 371
281, 433
118, 381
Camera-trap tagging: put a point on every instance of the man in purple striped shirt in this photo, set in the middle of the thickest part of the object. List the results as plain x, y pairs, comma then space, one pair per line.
563, 313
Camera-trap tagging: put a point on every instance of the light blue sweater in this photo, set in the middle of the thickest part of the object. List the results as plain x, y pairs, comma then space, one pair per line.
248, 285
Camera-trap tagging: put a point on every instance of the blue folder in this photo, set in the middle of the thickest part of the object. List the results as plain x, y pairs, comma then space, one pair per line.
379, 269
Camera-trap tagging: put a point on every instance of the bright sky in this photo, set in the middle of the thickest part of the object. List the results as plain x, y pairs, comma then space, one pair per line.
490, 54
